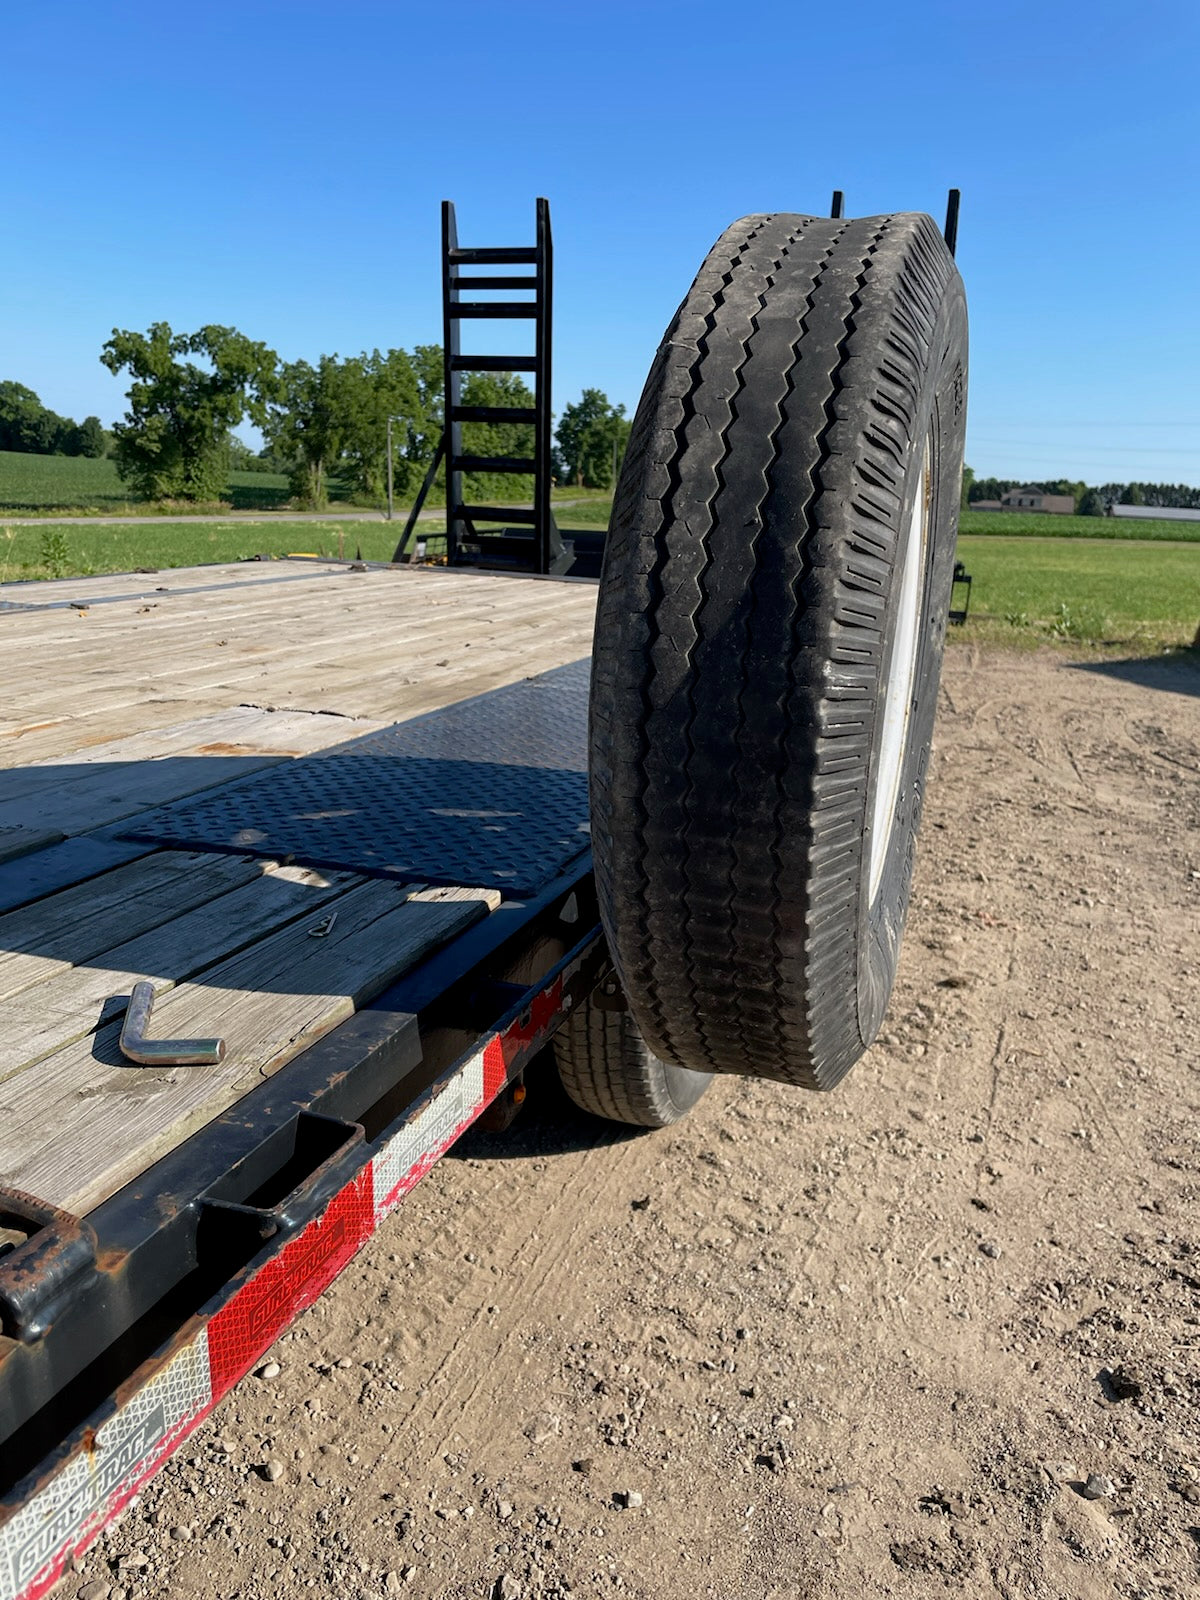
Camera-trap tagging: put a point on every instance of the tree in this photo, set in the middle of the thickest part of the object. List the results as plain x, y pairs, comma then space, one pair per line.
589, 435
174, 441
1131, 495
968, 478
373, 388
990, 488
308, 424
1089, 504
17, 406
27, 425
86, 438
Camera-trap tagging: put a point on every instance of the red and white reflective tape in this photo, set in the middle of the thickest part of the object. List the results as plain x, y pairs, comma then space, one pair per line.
94, 1484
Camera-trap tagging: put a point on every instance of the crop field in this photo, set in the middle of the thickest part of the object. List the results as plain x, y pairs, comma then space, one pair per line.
31, 485
1039, 525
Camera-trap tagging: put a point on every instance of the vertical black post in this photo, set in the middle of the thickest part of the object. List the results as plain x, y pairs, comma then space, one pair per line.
835, 209
950, 232
545, 310
452, 381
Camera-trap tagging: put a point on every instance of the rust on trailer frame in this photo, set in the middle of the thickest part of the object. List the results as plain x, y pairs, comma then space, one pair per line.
37, 1276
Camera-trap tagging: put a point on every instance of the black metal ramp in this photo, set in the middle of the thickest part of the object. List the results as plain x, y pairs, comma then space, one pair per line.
490, 792
527, 538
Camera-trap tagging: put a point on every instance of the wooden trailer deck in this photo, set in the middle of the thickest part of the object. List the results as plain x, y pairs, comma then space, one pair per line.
125, 693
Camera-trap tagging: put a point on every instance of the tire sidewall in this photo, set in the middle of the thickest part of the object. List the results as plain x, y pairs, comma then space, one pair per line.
942, 423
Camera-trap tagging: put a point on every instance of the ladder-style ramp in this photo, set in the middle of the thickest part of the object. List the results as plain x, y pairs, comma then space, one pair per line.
520, 535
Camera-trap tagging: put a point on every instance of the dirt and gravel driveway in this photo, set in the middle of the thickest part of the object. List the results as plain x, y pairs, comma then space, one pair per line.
882, 1342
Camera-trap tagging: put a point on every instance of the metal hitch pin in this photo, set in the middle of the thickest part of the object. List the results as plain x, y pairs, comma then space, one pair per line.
162, 1052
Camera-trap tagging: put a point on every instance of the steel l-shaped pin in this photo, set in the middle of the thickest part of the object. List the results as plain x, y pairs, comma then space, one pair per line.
162, 1052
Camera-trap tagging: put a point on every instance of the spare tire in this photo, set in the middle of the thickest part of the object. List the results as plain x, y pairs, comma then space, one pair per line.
769, 639
604, 1066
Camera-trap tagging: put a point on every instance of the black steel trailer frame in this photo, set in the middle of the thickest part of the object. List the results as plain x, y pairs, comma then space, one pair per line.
125, 1329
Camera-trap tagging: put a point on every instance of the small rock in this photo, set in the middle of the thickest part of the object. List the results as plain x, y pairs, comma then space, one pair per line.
507, 1587
544, 1426
1098, 1487
181, 1534
409, 1574
1190, 1492
504, 1510
1126, 1382
345, 1362
630, 1499
96, 1590
272, 1471
640, 1205
584, 1466
392, 1582
269, 1369
991, 1249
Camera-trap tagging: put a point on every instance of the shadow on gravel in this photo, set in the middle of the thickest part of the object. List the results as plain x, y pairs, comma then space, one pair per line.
548, 1124
1180, 674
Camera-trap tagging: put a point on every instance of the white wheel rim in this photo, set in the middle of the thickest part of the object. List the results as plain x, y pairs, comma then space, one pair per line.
897, 691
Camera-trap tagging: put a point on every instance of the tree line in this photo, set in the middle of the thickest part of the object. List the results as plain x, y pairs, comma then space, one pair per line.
1091, 500
323, 421
29, 426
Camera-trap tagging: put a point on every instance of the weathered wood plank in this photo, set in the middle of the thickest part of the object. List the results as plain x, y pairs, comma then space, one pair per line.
79, 1124
97, 795
77, 924
16, 842
74, 861
273, 652
75, 1001
244, 733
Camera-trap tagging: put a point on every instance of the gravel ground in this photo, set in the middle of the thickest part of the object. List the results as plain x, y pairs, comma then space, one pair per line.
937, 1331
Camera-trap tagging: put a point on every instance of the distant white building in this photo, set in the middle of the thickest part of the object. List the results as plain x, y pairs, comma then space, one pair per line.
1169, 513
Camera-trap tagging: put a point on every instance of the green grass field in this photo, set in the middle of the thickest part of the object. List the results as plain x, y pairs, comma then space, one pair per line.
1123, 593
49, 549
53, 549
1106, 591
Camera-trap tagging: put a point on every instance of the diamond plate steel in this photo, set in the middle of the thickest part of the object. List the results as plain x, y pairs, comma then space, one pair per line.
489, 792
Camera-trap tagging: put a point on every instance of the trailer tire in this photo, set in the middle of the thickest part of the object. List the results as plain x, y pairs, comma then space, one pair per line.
605, 1067
769, 640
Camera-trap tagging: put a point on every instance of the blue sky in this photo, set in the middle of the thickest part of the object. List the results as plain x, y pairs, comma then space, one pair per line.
279, 167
